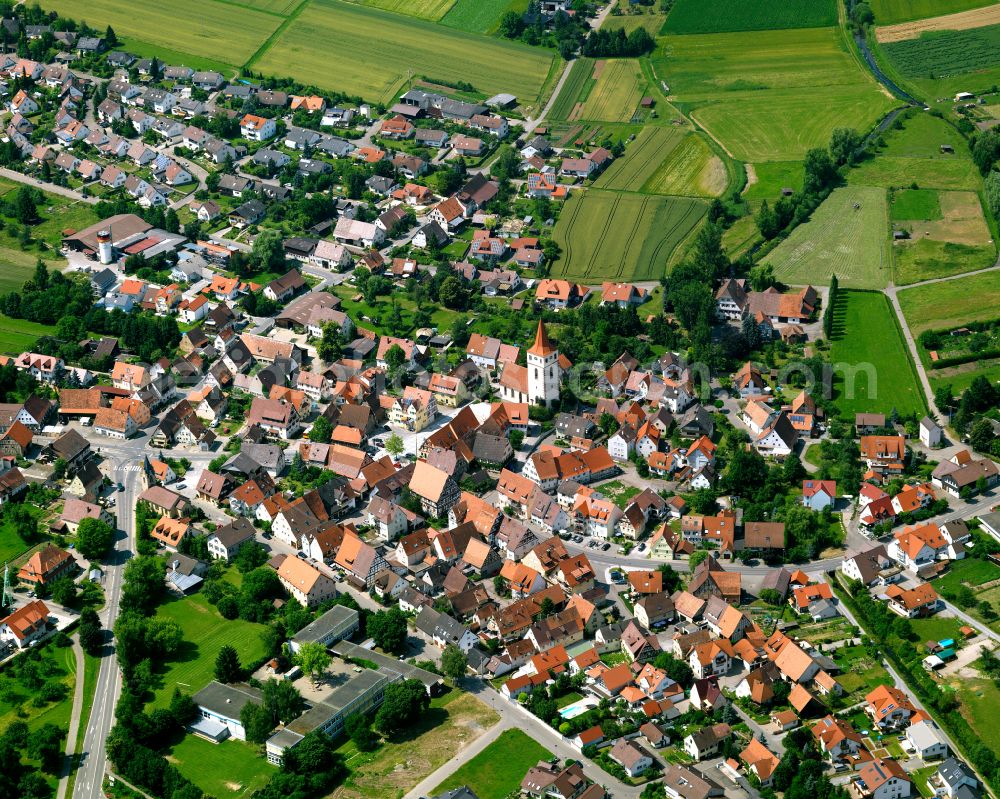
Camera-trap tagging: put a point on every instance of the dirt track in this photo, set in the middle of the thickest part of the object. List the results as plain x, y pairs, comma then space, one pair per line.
963, 20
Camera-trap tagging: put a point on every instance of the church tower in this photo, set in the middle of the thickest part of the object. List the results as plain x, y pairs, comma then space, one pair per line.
543, 370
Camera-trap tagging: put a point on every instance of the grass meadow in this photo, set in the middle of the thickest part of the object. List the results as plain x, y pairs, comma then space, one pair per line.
205, 633
912, 204
325, 45
720, 16
618, 236
889, 12
653, 23
771, 178
951, 303
497, 771
867, 336
851, 242
229, 769
769, 95
197, 27
479, 16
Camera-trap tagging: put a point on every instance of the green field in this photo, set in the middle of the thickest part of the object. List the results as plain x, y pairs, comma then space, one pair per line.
912, 204
321, 46
274, 6
223, 31
205, 633
20, 335
929, 259
232, 768
607, 235
740, 237
579, 79
497, 771
477, 16
642, 159
867, 344
888, 12
946, 53
56, 664
616, 93
721, 16
840, 239
425, 9
771, 178
769, 95
629, 22
690, 170
951, 303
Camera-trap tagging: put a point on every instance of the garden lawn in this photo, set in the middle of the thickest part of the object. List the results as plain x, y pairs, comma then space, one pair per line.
971, 571
935, 628
195, 27
951, 303
497, 771
606, 235
453, 721
205, 633
373, 53
229, 769
848, 235
860, 672
888, 12
872, 367
769, 95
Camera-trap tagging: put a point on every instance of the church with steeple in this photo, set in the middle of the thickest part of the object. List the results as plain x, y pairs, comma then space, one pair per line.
538, 382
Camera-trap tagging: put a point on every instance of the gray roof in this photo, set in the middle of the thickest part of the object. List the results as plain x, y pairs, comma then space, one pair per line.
341, 698
348, 650
227, 700
457, 793
236, 532
953, 771
339, 617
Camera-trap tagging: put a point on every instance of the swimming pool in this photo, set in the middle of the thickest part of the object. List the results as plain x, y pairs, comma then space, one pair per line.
577, 708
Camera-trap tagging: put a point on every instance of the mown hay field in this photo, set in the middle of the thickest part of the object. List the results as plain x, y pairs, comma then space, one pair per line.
720, 16
848, 235
769, 95
942, 21
617, 236
370, 52
221, 31
951, 303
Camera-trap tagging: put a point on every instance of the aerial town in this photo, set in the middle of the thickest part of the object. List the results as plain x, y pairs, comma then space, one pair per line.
479, 399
